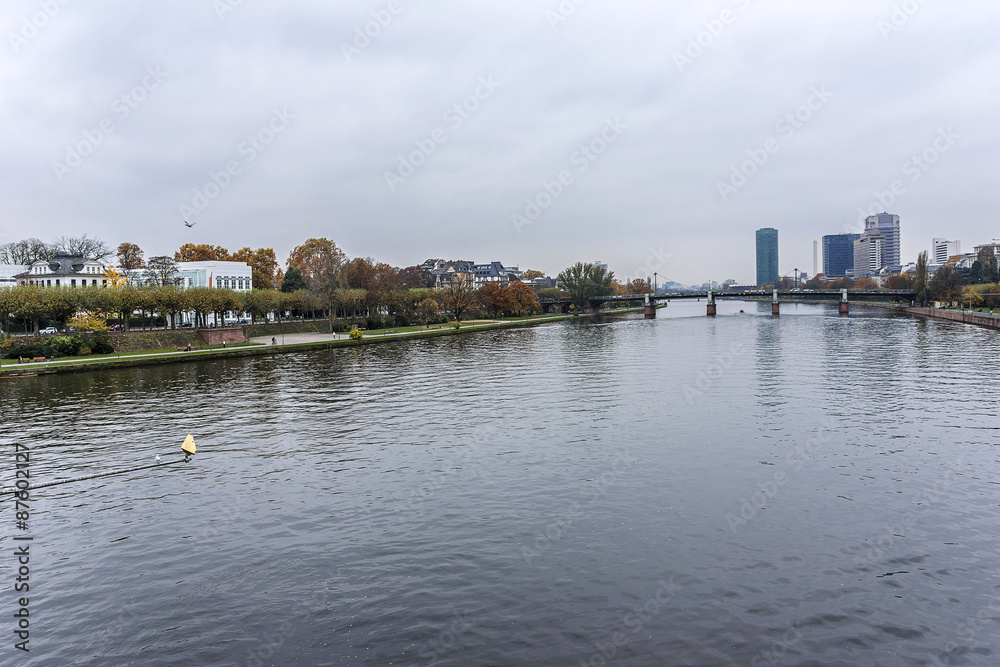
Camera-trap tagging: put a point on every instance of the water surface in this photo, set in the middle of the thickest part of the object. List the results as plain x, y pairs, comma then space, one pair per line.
809, 489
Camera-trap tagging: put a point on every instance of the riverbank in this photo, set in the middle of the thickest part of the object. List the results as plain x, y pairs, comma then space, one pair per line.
968, 317
292, 343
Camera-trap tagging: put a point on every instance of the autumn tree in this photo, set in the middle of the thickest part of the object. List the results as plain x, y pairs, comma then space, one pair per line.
458, 294
359, 274
190, 252
414, 277
523, 298
866, 282
428, 311
494, 298
531, 274
263, 263
130, 259
321, 263
638, 286
386, 289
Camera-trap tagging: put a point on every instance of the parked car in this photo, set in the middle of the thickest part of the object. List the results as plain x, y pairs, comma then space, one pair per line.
47, 331
186, 325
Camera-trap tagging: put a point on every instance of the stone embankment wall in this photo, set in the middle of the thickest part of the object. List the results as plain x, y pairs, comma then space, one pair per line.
969, 317
217, 336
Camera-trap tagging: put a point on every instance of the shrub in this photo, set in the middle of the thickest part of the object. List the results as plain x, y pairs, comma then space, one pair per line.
378, 322
102, 347
65, 346
356, 335
29, 351
101, 344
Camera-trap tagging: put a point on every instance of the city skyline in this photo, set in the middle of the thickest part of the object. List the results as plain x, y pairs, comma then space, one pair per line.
500, 131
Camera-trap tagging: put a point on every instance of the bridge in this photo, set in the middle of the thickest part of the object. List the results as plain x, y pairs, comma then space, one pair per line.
843, 296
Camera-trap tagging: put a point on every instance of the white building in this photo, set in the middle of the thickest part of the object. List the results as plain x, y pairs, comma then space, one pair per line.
995, 245
236, 276
869, 254
64, 271
9, 273
942, 249
495, 272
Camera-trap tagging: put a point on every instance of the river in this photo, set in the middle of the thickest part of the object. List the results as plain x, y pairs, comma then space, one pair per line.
746, 490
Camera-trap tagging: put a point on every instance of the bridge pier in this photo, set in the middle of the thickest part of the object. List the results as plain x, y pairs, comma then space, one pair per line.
650, 309
710, 309
845, 308
775, 305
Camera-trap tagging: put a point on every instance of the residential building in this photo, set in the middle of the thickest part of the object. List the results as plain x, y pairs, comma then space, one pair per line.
442, 271
64, 271
495, 272
838, 255
540, 283
942, 249
767, 256
887, 225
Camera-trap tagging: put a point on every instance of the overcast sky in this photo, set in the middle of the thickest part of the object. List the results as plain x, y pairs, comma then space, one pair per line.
114, 116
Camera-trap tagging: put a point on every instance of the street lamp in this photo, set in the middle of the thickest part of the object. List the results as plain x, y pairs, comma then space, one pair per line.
654, 283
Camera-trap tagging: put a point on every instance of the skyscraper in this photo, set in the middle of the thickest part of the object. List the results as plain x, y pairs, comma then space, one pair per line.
887, 225
767, 256
838, 255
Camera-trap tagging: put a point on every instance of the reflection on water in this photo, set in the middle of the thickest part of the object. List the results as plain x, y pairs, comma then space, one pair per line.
740, 489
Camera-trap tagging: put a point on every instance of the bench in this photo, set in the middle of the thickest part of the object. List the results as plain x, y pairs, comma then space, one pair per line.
38, 358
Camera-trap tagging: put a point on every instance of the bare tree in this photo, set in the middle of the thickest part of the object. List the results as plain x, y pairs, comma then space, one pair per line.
25, 252
163, 269
93, 249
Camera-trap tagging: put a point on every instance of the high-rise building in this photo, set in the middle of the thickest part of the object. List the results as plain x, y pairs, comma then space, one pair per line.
767, 256
887, 225
942, 249
869, 254
815, 257
838, 255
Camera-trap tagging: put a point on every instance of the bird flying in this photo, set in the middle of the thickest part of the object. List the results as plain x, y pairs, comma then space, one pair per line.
190, 224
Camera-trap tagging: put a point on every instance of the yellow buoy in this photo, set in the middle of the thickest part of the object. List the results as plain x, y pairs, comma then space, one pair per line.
188, 445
